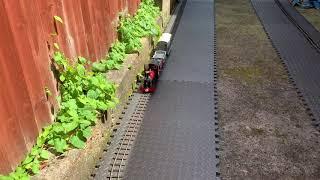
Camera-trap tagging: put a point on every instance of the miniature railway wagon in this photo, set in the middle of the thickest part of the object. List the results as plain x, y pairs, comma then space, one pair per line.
153, 70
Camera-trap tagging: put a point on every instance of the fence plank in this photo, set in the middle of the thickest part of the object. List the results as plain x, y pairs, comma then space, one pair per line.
26, 68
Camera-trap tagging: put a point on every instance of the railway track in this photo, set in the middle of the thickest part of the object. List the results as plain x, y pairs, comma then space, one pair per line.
178, 138
297, 43
307, 29
179, 135
114, 161
121, 156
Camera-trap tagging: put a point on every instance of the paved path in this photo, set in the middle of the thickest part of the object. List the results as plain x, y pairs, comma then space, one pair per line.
300, 57
177, 136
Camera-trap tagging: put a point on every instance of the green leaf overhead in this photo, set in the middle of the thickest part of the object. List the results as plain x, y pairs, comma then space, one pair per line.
77, 142
45, 154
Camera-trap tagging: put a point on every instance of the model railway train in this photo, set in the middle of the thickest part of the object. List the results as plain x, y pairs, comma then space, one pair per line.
153, 70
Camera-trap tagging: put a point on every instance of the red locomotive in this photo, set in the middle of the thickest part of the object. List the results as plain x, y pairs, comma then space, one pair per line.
153, 70
151, 75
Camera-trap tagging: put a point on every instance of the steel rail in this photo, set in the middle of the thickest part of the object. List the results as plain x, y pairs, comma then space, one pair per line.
296, 48
301, 29
128, 138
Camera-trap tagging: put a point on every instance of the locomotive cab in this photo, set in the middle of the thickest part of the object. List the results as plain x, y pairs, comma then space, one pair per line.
160, 54
150, 77
156, 65
159, 58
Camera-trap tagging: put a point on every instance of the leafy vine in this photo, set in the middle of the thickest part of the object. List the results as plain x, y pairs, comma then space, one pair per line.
131, 30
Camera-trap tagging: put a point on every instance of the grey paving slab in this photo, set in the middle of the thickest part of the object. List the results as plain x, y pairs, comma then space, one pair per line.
192, 57
177, 137
301, 21
299, 56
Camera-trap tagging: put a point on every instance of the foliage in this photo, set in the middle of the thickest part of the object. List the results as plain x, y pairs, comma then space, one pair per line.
114, 59
132, 29
84, 95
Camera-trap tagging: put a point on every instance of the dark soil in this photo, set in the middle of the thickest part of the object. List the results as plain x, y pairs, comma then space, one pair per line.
265, 131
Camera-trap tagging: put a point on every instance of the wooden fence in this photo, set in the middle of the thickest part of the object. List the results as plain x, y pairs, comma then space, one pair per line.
28, 31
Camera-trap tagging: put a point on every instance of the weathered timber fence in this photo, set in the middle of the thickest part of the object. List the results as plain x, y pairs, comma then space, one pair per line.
28, 31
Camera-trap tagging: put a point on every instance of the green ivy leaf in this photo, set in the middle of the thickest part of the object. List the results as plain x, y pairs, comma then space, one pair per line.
51, 142
98, 67
81, 70
62, 78
92, 94
111, 104
85, 123
87, 132
6, 178
58, 128
28, 160
24, 177
70, 126
73, 113
102, 106
35, 151
82, 60
60, 145
77, 142
41, 140
44, 154
35, 168
20, 170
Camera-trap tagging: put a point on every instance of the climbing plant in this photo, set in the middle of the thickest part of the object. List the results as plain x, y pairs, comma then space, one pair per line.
85, 94
113, 60
131, 30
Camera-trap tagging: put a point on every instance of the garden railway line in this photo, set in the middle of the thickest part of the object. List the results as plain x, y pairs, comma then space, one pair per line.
114, 160
178, 135
306, 28
174, 138
297, 48
228, 93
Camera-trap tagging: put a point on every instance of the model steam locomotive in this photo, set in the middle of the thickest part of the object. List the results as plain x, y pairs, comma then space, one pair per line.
153, 70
